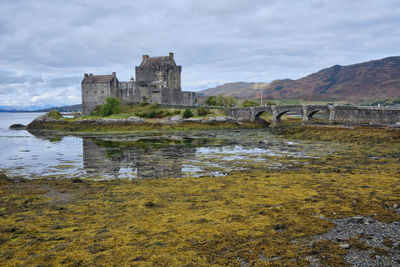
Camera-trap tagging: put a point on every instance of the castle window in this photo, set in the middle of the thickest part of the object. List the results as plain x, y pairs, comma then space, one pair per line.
95, 92
102, 92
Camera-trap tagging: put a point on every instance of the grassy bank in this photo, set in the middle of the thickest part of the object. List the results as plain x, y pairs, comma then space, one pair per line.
246, 216
90, 127
153, 117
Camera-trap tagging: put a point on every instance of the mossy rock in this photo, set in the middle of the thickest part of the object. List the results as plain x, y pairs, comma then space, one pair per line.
54, 114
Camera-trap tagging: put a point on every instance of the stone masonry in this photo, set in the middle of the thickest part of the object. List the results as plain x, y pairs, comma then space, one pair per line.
158, 80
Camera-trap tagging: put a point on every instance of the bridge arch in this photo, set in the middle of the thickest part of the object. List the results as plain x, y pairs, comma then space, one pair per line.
279, 111
259, 113
278, 116
312, 113
310, 110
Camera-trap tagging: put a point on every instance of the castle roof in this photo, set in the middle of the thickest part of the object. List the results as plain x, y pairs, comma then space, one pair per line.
97, 78
157, 61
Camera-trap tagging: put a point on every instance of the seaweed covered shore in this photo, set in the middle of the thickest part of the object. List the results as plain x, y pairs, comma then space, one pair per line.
336, 210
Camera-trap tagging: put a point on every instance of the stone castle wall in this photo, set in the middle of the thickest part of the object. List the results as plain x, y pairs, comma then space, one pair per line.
94, 95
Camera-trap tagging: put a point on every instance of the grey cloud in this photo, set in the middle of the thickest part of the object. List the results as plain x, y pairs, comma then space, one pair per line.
216, 41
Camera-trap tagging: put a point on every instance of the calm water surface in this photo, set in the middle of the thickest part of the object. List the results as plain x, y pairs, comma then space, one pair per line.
142, 154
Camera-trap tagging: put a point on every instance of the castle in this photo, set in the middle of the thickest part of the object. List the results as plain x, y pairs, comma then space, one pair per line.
158, 80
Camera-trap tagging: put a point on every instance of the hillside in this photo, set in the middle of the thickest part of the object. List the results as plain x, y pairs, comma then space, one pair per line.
238, 89
365, 82
71, 108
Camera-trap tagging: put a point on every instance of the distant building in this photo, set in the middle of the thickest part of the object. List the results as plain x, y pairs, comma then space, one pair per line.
158, 80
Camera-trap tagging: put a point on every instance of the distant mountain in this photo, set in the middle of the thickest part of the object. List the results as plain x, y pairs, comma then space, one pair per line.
71, 108
237, 89
365, 82
21, 108
47, 108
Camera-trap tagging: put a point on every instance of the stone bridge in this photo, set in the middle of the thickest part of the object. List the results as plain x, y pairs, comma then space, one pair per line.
337, 114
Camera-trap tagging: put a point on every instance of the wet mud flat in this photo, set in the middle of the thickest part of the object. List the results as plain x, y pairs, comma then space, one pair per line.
337, 209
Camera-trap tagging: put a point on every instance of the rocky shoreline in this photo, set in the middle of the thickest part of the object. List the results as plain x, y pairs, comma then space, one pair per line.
48, 123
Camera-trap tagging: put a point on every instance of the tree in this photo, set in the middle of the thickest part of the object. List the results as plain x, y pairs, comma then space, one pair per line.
187, 113
221, 100
250, 103
211, 101
110, 107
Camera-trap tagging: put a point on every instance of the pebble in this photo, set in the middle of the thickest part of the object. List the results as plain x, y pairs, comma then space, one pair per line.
357, 219
395, 206
344, 245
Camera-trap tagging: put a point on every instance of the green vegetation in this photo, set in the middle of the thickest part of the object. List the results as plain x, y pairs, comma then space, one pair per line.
202, 111
388, 102
187, 113
211, 101
306, 102
112, 106
150, 111
154, 111
250, 103
55, 115
221, 100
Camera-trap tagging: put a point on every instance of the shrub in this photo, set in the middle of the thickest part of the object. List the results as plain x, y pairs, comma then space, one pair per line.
221, 100
154, 106
143, 104
202, 111
250, 103
187, 113
152, 113
96, 111
110, 107
211, 101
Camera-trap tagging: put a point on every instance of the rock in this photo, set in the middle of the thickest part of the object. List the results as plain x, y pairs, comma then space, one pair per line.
193, 120
47, 119
39, 120
135, 119
17, 126
344, 245
220, 119
77, 180
280, 227
149, 204
357, 219
111, 121
395, 206
224, 118
175, 118
139, 258
4, 177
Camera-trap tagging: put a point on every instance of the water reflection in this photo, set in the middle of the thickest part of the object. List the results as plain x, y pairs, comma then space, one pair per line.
125, 158
152, 155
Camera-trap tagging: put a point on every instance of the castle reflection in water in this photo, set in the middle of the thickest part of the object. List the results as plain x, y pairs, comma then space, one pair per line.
134, 159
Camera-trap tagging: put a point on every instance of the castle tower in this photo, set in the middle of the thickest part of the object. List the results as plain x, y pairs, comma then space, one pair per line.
151, 67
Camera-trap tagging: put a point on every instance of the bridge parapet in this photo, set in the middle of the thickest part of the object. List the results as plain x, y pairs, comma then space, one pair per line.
337, 114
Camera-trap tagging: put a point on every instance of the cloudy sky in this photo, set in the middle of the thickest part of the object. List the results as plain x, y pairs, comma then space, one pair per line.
47, 45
